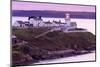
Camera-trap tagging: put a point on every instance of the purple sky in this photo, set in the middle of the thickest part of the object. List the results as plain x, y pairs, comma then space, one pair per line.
44, 6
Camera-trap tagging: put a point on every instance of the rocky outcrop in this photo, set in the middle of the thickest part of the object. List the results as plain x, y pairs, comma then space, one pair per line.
52, 45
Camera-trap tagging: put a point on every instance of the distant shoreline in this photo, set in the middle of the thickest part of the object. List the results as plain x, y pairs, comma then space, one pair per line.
54, 14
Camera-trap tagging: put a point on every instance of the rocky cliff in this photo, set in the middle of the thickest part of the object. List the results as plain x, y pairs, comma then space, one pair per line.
52, 45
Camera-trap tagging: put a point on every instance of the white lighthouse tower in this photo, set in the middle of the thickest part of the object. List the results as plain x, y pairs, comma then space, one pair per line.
67, 19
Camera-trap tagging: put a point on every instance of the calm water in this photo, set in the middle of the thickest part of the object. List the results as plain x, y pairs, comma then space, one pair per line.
88, 24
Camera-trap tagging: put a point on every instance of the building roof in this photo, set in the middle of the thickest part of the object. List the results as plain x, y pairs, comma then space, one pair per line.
57, 22
48, 22
20, 22
26, 22
35, 18
31, 17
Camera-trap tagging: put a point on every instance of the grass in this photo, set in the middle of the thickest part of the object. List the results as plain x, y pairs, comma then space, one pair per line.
53, 41
56, 39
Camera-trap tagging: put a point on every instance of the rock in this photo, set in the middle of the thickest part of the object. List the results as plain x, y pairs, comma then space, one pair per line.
17, 57
28, 57
39, 48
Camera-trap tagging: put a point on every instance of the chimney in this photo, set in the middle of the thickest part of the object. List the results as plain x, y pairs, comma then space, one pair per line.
67, 18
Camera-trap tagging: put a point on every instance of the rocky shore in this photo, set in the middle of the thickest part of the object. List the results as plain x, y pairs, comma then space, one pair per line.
27, 49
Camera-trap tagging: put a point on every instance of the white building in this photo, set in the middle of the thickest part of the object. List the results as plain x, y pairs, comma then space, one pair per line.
36, 22
67, 19
19, 24
47, 24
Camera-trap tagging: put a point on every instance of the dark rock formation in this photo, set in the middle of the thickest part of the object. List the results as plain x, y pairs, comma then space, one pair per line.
46, 47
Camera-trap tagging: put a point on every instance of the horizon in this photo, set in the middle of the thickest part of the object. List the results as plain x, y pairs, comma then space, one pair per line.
53, 14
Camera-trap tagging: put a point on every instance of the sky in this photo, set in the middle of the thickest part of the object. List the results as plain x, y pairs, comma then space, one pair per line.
55, 7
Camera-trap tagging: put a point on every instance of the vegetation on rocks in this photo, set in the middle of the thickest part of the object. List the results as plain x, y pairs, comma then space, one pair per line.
38, 48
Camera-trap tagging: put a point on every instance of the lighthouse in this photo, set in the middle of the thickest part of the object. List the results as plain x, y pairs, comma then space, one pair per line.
67, 19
